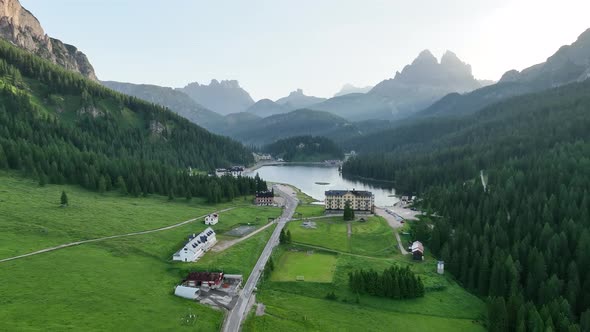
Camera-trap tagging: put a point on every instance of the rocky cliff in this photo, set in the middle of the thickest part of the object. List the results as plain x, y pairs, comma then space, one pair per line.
22, 28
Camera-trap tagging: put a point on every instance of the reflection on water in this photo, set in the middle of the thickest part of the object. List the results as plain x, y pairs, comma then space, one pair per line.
307, 178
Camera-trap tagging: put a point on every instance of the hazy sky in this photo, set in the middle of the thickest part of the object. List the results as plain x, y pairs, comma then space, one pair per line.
275, 46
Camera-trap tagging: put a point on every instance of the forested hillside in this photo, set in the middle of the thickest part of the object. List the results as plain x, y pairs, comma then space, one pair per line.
62, 128
525, 239
305, 148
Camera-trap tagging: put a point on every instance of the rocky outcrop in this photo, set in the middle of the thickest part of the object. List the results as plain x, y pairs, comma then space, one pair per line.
20, 27
416, 87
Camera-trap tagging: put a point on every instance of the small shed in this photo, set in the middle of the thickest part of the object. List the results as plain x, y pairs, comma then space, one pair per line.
440, 267
191, 293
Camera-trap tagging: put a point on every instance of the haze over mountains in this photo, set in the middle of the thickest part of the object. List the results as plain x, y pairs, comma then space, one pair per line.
223, 97
571, 63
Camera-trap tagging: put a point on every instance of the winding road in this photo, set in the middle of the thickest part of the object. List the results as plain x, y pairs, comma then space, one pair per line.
71, 244
395, 224
233, 320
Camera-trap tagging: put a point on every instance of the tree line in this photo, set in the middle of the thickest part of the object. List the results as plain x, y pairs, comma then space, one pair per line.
395, 282
82, 133
524, 243
304, 148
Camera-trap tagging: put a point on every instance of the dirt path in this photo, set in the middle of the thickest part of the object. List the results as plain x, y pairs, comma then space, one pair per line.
71, 244
222, 245
349, 229
395, 224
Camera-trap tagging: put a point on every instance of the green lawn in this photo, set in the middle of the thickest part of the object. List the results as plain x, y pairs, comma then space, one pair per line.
330, 233
316, 267
373, 237
120, 284
309, 210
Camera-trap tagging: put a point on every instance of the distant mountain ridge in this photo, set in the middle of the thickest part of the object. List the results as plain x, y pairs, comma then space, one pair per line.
297, 100
266, 107
417, 86
21, 28
223, 97
175, 100
571, 63
349, 88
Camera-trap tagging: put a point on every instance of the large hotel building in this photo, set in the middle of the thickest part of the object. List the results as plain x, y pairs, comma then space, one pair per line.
359, 200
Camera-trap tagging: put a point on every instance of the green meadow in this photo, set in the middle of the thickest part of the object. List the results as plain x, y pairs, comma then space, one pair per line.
312, 266
121, 284
292, 305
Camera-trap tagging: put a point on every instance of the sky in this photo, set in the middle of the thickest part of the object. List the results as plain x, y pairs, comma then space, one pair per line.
273, 47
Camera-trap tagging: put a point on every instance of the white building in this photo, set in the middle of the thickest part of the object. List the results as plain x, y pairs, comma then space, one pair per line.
191, 293
196, 246
212, 219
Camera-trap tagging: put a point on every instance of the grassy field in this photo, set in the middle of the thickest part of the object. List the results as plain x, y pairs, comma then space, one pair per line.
302, 305
316, 267
120, 284
31, 219
373, 237
309, 210
329, 233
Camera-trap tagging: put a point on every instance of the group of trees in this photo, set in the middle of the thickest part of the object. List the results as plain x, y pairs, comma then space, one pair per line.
348, 212
305, 148
285, 237
525, 241
395, 282
83, 133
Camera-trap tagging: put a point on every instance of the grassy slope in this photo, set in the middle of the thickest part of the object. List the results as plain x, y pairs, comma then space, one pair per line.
121, 284
301, 306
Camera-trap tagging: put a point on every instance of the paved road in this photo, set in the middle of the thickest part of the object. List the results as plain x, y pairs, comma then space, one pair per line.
71, 244
234, 319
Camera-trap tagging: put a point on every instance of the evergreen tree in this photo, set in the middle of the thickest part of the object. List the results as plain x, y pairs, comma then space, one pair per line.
64, 199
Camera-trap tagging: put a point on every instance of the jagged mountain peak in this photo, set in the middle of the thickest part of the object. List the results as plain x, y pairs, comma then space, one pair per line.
224, 97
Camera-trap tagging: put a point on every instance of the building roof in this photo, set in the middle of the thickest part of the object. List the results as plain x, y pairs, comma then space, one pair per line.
204, 276
186, 292
264, 194
417, 246
358, 193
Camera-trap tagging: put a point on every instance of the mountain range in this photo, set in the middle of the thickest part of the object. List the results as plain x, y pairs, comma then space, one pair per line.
224, 97
349, 88
417, 86
571, 63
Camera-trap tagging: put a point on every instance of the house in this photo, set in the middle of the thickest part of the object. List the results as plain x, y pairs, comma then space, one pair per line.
212, 219
417, 250
204, 280
359, 200
264, 198
196, 246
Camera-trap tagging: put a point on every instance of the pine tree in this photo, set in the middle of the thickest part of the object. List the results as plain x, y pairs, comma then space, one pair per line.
288, 236
64, 199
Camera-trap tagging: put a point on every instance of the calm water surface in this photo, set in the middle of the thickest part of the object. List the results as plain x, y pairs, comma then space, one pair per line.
305, 178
